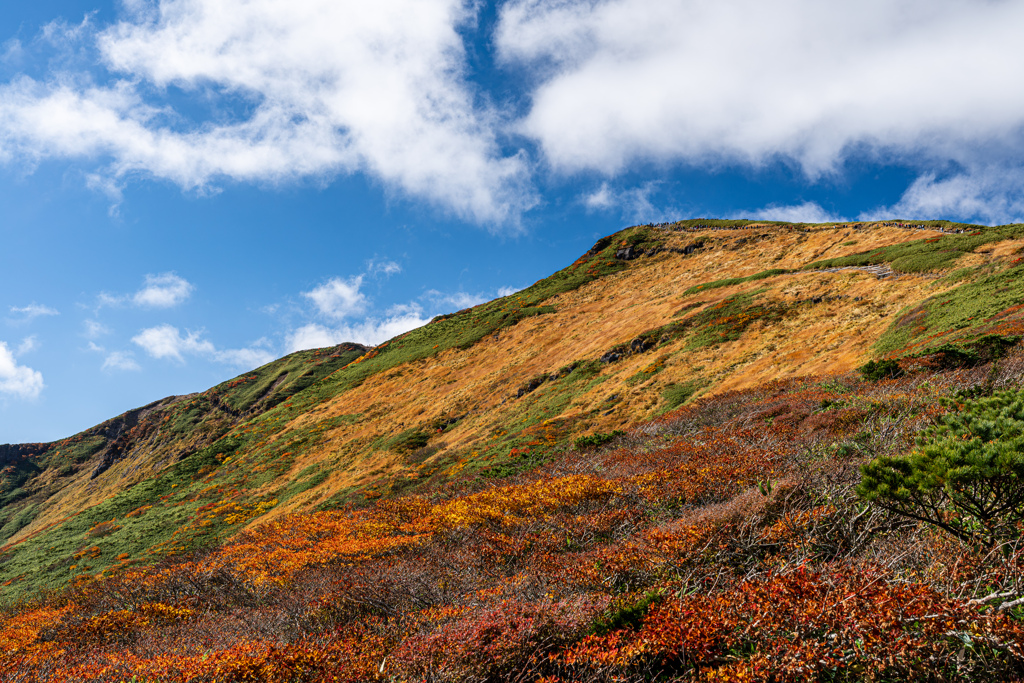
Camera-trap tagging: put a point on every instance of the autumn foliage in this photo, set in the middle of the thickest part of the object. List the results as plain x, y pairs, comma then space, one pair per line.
723, 542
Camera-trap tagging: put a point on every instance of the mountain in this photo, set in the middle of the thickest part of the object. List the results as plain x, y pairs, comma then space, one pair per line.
658, 338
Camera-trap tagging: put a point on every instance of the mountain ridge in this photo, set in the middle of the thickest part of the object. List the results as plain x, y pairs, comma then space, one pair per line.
647, 319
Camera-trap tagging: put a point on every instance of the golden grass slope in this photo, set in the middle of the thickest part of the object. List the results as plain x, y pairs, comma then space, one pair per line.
506, 402
832, 335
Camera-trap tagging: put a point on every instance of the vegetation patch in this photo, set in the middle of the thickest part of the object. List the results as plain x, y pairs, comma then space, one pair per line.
307, 479
15, 476
275, 382
648, 371
717, 223
960, 274
966, 477
883, 369
675, 395
18, 519
729, 282
925, 255
992, 304
78, 450
627, 613
409, 440
597, 440
534, 428
727, 320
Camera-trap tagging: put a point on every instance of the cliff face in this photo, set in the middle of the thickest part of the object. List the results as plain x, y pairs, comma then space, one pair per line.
645, 321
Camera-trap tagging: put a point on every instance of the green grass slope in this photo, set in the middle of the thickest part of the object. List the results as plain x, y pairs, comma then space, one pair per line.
165, 441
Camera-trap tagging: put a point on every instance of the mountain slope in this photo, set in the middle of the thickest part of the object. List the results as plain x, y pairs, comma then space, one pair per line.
646, 320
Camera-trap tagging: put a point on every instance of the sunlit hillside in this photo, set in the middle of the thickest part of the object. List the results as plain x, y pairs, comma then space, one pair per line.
647, 466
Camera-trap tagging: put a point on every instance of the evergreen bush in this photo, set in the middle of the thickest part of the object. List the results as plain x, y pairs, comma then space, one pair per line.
883, 369
966, 476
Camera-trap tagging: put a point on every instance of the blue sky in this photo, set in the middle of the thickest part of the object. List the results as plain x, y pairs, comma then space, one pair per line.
190, 188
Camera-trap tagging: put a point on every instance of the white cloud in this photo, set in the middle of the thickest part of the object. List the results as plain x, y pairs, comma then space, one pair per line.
991, 195
308, 88
18, 380
27, 345
314, 336
385, 268
746, 81
379, 327
166, 341
163, 291
601, 198
121, 360
371, 331
60, 32
376, 331
203, 92
338, 298
250, 357
808, 212
465, 299
113, 188
412, 309
633, 203
33, 310
95, 329
446, 303
246, 358
11, 52
508, 291
105, 299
